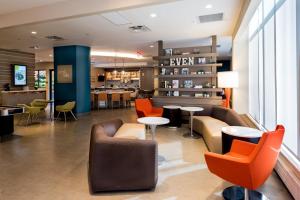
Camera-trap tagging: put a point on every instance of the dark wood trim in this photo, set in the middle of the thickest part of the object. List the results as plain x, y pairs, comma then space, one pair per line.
187, 55
189, 76
198, 65
185, 97
185, 101
191, 89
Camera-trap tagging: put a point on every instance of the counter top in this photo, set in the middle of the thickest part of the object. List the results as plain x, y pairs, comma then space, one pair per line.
22, 91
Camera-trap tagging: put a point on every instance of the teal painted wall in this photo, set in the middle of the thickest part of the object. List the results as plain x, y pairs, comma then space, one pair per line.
79, 89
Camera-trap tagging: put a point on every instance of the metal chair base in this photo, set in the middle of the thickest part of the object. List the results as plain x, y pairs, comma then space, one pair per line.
192, 136
238, 193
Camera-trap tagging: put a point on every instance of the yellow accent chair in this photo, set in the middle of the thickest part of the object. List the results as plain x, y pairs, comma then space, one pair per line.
31, 111
68, 107
41, 103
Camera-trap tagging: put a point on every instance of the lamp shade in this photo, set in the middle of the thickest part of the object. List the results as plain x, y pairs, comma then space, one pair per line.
229, 79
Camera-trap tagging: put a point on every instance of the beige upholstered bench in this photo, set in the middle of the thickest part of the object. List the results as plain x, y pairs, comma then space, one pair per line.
210, 128
209, 124
131, 131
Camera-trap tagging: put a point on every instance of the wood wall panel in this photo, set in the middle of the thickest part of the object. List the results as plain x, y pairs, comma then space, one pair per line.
7, 58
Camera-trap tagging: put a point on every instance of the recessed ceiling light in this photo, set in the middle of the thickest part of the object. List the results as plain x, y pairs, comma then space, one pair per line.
151, 46
33, 32
153, 15
208, 6
50, 55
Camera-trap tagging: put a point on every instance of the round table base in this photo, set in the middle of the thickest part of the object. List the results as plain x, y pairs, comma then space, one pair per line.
194, 136
172, 127
237, 193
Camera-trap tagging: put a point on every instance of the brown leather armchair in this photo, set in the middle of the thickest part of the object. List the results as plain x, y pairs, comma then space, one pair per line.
118, 164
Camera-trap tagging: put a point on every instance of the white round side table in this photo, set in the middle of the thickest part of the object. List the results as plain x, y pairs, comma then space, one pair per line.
192, 110
229, 133
153, 122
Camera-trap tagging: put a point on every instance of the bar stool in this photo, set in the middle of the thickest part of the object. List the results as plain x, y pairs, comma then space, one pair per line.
126, 99
102, 97
115, 97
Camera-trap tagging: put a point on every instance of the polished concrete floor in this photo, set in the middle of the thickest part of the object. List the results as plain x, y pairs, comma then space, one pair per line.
48, 160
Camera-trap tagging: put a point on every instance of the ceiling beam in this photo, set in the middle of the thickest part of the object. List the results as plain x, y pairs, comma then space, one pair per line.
70, 9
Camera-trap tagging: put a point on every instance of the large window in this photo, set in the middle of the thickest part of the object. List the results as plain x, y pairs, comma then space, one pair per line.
273, 96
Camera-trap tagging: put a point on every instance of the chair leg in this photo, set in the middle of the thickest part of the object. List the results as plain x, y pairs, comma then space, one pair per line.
57, 116
65, 117
28, 119
37, 117
73, 115
246, 195
21, 119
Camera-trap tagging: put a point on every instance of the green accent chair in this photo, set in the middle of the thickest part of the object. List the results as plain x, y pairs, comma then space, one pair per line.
31, 111
68, 107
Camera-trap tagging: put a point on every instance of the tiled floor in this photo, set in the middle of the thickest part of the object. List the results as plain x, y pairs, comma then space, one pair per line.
49, 161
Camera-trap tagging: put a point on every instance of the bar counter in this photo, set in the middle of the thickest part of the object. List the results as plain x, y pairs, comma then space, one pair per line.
13, 98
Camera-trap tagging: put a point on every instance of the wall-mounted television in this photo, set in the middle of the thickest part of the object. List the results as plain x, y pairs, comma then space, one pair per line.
19, 75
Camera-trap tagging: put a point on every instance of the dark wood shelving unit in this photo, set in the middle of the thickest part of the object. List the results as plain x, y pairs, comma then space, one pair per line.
192, 97
199, 65
188, 76
204, 55
191, 90
201, 70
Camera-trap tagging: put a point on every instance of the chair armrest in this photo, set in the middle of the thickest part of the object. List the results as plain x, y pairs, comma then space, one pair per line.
22, 105
30, 109
59, 107
109, 127
234, 170
141, 113
157, 110
34, 110
242, 147
123, 163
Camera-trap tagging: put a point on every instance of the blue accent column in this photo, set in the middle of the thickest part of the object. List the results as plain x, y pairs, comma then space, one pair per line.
79, 89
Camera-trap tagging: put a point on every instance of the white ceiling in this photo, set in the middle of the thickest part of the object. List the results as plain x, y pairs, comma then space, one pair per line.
9, 6
176, 24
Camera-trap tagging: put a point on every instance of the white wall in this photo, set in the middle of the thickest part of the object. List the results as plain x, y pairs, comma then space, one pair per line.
240, 64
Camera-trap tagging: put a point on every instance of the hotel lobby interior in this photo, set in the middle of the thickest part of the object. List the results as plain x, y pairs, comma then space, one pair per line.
149, 99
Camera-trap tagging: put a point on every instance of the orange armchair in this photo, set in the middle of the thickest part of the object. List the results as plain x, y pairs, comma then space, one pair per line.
247, 165
144, 108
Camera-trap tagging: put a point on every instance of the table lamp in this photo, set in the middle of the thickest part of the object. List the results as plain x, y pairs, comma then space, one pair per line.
228, 80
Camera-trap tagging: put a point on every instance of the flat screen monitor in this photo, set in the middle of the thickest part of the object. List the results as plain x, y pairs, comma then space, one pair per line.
19, 75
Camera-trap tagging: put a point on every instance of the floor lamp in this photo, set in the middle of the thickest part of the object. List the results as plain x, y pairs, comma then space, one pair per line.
228, 80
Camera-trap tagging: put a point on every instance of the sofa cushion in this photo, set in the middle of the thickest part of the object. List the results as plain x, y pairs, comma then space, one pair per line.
211, 130
131, 131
